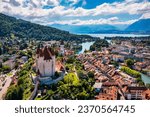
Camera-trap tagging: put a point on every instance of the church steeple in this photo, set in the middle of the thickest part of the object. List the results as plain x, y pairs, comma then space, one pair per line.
62, 50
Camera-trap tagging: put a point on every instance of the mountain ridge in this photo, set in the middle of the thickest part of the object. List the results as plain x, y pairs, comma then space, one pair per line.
84, 28
26, 29
142, 25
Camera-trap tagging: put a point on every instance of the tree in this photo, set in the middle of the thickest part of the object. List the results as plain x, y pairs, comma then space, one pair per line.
6, 68
50, 94
129, 62
91, 74
131, 72
70, 60
148, 86
24, 29
14, 93
81, 75
57, 74
23, 46
16, 65
20, 81
5, 59
12, 36
71, 78
22, 53
29, 53
11, 93
1, 65
116, 64
0, 50
98, 44
85, 51
83, 95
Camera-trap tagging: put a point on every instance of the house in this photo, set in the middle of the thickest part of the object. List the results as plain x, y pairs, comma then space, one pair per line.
10, 63
97, 86
59, 66
24, 59
109, 93
146, 95
134, 93
118, 58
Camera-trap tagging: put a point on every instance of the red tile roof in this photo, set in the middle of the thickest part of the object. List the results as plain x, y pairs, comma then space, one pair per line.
45, 52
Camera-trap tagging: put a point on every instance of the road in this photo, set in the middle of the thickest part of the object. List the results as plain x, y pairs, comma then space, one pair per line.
75, 71
7, 84
121, 92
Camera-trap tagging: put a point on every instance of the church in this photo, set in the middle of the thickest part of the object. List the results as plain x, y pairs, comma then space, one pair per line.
45, 62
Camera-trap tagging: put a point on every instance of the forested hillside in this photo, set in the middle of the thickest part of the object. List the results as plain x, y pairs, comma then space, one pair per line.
25, 29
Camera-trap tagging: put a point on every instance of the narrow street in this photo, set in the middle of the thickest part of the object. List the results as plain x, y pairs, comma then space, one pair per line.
7, 84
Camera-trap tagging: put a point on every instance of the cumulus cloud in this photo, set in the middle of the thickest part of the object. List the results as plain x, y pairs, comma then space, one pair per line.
145, 16
12, 2
32, 10
124, 7
32, 3
111, 21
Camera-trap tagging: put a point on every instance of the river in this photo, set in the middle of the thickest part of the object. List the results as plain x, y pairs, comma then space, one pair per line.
145, 78
85, 46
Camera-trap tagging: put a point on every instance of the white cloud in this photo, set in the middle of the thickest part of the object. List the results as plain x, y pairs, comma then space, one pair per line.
111, 21
32, 3
52, 2
124, 7
145, 16
32, 11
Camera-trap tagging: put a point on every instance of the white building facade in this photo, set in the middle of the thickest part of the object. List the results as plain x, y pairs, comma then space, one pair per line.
45, 62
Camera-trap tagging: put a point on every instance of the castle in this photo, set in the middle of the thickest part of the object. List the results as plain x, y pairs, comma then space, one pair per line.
45, 62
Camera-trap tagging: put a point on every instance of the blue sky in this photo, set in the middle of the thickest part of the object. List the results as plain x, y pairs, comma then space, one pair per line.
78, 12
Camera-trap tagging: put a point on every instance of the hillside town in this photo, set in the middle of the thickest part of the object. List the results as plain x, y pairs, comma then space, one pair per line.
51, 70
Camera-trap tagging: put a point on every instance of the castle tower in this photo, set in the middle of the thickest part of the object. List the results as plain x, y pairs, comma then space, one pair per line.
45, 62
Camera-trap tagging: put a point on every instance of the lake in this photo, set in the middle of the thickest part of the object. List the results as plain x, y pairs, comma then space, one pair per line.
117, 35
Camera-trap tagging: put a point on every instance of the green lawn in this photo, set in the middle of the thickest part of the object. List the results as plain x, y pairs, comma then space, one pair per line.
71, 78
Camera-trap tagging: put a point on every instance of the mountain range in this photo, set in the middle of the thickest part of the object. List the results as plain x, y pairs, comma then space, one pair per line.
140, 27
85, 28
26, 29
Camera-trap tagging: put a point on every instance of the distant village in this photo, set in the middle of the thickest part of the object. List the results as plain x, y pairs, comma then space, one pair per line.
47, 70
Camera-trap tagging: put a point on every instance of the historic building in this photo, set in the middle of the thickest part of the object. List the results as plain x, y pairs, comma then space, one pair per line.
45, 62
62, 50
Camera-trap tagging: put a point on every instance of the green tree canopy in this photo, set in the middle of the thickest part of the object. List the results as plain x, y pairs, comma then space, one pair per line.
129, 62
